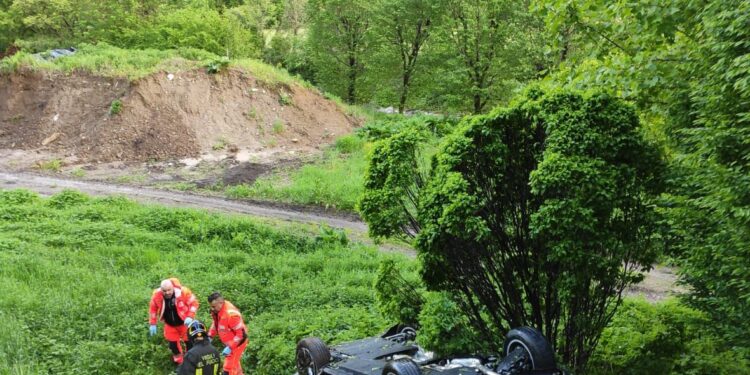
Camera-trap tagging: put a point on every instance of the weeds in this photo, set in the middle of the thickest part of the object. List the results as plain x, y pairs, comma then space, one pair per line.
217, 65
285, 99
78, 274
278, 126
115, 107
78, 172
251, 114
220, 144
53, 165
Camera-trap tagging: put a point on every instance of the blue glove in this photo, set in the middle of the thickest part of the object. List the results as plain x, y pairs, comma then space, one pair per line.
226, 351
152, 330
188, 320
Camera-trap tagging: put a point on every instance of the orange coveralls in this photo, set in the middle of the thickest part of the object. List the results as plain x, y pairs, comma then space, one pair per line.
232, 333
187, 306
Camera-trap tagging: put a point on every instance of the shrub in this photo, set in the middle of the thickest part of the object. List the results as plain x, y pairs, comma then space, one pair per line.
664, 338
399, 299
349, 144
115, 107
67, 198
444, 327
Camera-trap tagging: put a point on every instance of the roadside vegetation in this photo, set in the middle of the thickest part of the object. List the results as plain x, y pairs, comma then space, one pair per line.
581, 142
79, 271
335, 179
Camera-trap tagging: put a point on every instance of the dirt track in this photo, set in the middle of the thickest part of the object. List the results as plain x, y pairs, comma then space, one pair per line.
659, 283
49, 185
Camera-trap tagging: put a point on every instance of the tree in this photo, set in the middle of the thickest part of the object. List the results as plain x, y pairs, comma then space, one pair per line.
405, 27
492, 39
339, 40
685, 65
539, 214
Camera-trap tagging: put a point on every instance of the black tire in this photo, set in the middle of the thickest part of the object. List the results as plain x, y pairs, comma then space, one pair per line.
534, 344
402, 366
312, 356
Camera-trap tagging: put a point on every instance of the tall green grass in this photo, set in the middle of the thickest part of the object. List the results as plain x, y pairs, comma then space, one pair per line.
109, 61
334, 181
77, 274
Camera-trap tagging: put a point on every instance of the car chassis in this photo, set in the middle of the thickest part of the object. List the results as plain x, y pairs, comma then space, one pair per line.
395, 353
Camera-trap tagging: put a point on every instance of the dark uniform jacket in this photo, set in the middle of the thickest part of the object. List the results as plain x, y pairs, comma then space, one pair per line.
202, 359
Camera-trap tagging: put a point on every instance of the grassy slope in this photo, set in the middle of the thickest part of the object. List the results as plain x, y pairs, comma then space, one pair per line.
105, 60
78, 273
335, 180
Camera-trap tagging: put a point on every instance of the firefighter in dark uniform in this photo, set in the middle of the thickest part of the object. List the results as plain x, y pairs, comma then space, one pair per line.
202, 358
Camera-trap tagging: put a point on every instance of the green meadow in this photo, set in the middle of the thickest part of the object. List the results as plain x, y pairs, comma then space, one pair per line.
78, 272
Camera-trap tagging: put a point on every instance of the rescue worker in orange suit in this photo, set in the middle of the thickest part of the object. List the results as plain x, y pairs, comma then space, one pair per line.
228, 324
176, 306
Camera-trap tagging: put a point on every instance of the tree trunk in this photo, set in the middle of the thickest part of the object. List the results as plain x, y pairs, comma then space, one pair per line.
350, 92
404, 93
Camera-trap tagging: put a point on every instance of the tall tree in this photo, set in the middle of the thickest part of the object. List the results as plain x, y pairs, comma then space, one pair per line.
490, 38
539, 214
339, 40
685, 64
404, 27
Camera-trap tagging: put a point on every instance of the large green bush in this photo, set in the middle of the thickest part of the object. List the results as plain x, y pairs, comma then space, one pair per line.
664, 338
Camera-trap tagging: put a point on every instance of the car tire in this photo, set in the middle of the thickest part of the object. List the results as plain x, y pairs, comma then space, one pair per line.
536, 346
312, 356
403, 366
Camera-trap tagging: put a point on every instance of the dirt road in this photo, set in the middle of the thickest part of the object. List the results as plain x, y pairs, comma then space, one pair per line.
50, 185
659, 283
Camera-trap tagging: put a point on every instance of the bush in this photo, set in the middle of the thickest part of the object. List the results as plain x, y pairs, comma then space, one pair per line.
664, 338
349, 144
445, 329
399, 299
115, 107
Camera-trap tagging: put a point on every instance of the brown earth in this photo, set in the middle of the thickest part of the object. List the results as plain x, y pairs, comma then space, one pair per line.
163, 116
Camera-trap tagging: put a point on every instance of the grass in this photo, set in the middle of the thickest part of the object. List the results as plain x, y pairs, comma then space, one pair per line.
53, 165
278, 126
109, 61
220, 144
115, 107
333, 181
77, 273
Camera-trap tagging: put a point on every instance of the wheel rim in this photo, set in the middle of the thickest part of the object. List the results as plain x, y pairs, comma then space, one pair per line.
529, 362
305, 364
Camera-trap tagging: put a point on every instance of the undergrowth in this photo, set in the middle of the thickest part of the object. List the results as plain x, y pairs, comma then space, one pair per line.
77, 274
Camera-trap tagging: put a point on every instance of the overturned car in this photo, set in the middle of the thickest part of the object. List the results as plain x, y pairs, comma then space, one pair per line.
395, 353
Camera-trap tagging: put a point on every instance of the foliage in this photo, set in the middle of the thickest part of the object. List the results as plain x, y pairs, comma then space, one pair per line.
556, 190
484, 48
394, 177
115, 107
217, 65
339, 39
399, 299
685, 65
403, 28
52, 165
664, 338
349, 144
445, 328
106, 60
75, 267
334, 180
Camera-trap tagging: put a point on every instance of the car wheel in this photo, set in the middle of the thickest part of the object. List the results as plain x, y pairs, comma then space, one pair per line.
537, 349
403, 366
312, 356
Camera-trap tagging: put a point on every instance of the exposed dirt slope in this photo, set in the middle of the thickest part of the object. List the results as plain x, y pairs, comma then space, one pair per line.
162, 116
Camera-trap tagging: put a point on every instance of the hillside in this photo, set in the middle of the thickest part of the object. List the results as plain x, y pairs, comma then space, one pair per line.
81, 117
